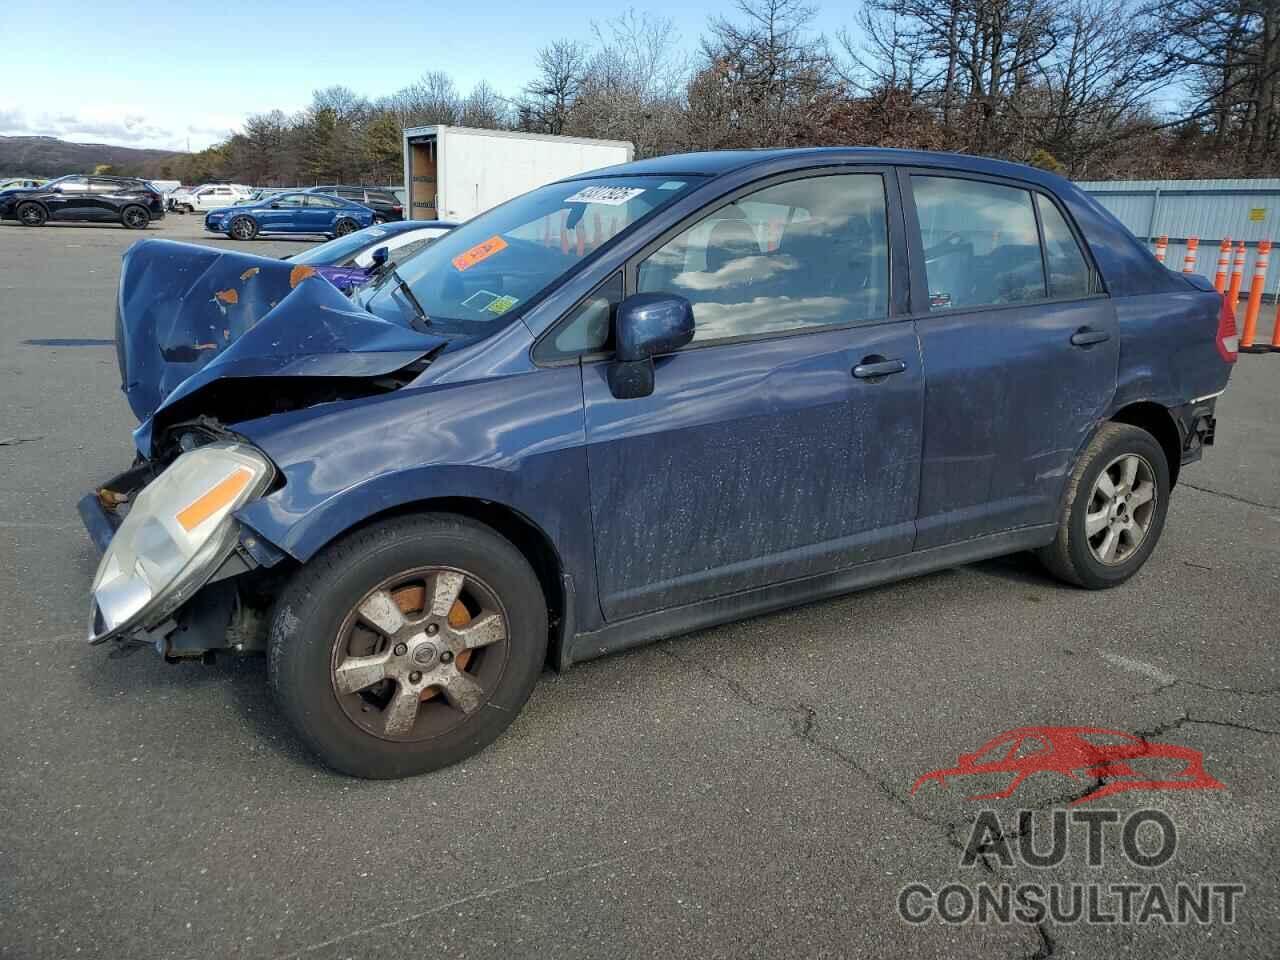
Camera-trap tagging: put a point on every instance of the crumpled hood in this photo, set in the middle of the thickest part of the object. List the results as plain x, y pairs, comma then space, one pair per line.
188, 315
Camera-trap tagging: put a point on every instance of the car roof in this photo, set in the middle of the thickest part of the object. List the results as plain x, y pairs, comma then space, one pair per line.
719, 162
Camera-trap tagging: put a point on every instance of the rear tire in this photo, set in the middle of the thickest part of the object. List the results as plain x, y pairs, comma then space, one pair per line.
1109, 526
32, 215
242, 228
324, 640
135, 218
344, 226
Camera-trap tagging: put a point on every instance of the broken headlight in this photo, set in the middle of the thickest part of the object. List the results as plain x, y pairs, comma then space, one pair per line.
178, 530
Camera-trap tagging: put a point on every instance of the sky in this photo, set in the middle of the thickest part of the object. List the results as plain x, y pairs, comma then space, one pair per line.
187, 74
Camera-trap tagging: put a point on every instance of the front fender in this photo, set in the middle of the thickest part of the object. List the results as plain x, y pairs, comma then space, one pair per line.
515, 440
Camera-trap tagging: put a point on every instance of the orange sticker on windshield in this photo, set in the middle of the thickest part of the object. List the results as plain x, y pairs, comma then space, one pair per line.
481, 251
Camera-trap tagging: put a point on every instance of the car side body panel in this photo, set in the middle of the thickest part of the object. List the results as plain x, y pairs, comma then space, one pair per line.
499, 440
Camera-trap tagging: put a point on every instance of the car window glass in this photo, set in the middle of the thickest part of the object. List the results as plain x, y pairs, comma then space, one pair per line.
589, 326
74, 185
794, 255
105, 186
1068, 269
473, 279
315, 200
980, 243
382, 197
406, 250
288, 200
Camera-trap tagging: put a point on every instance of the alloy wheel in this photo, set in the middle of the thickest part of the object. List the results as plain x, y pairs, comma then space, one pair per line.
32, 215
420, 653
1121, 509
135, 218
242, 229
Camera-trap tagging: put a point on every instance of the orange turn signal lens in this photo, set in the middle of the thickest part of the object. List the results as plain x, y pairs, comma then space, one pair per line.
206, 505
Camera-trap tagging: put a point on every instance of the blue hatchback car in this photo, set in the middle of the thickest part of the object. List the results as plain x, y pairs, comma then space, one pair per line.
296, 213
630, 405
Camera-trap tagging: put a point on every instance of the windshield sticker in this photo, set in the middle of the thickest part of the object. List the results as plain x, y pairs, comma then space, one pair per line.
502, 304
377, 232
609, 196
481, 251
481, 300
672, 185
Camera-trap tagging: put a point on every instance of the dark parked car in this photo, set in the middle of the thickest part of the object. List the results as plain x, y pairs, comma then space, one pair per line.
347, 262
126, 200
385, 205
630, 405
296, 213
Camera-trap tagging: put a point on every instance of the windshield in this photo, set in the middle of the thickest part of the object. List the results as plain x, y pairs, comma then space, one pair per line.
479, 277
341, 249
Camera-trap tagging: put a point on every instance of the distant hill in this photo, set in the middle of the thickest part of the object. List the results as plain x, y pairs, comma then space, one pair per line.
51, 157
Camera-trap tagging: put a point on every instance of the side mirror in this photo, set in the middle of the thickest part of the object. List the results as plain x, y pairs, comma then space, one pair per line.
648, 325
55, 189
275, 206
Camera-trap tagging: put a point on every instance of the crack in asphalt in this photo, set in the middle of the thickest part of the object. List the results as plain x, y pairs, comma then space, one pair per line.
803, 723
1232, 496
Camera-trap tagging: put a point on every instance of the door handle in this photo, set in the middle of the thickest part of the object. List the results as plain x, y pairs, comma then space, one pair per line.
1085, 337
875, 367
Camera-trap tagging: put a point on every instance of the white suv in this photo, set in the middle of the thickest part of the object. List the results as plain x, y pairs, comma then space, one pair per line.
209, 196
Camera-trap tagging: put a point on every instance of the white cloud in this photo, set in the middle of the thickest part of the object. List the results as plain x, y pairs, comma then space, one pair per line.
120, 124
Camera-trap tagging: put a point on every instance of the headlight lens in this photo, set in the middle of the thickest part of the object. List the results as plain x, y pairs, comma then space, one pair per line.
177, 532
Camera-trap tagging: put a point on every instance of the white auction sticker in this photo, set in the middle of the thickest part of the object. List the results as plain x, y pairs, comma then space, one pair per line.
609, 196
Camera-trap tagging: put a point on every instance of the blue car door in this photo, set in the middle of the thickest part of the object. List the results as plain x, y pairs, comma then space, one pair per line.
282, 214
1020, 352
320, 213
784, 441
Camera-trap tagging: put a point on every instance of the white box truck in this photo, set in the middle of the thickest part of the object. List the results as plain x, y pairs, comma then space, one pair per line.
454, 173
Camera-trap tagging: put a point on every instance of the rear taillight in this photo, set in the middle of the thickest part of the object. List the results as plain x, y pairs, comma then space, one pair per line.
1228, 336
397, 208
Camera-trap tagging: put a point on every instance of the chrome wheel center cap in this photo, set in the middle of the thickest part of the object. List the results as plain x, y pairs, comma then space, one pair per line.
425, 654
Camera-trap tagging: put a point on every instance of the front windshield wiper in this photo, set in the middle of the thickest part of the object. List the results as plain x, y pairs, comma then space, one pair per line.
390, 271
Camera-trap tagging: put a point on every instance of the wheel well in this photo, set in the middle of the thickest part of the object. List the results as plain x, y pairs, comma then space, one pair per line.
1158, 422
514, 526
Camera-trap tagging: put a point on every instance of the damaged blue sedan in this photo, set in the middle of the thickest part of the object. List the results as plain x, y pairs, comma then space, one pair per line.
630, 405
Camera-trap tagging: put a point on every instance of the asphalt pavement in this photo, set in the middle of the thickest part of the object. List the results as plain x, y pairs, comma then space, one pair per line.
741, 792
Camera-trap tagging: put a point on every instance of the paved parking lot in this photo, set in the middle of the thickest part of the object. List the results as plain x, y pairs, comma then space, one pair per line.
741, 792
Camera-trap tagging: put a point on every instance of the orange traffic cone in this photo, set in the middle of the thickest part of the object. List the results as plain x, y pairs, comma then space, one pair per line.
1162, 246
1237, 276
1255, 301
1189, 261
1224, 265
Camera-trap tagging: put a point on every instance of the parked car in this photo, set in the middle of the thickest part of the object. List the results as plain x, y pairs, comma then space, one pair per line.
208, 196
305, 213
126, 200
349, 261
630, 405
20, 183
385, 205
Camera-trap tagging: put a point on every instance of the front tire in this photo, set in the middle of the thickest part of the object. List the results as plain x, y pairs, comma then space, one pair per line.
407, 646
1114, 509
32, 215
242, 228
